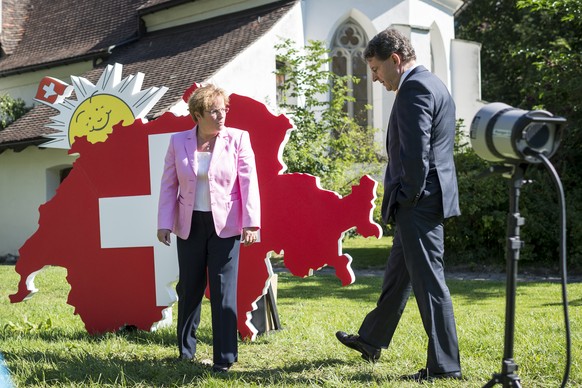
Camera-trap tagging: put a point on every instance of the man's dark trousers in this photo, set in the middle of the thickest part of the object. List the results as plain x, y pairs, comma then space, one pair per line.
417, 255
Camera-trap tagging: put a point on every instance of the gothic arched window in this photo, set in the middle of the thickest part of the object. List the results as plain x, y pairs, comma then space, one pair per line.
347, 49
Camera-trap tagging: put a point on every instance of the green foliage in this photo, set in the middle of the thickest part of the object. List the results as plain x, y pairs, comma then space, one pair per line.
326, 142
531, 59
478, 235
531, 52
27, 327
11, 110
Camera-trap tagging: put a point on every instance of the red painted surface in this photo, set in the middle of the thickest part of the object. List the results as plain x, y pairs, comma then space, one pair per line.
114, 287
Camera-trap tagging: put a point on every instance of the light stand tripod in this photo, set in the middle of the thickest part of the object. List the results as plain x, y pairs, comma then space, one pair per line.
508, 376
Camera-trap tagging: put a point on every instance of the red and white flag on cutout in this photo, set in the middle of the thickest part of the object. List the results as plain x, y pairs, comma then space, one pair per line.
52, 91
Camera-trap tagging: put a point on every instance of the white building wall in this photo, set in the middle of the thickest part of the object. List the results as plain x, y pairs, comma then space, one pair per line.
252, 73
25, 85
322, 17
429, 24
466, 85
29, 179
438, 22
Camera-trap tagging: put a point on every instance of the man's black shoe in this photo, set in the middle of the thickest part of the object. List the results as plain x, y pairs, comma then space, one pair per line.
369, 353
221, 368
425, 375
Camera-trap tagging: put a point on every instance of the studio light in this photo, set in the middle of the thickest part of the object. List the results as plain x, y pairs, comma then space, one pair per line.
501, 133
516, 138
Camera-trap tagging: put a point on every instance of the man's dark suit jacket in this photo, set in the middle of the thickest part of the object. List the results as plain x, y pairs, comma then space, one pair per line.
423, 114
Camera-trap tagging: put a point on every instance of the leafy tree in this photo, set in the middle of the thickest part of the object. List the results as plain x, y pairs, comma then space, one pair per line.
530, 59
11, 110
326, 142
531, 52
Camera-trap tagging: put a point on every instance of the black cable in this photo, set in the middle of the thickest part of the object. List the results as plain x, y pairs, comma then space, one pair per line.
562, 204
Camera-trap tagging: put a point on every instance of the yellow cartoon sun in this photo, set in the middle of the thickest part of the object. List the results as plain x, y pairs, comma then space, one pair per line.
95, 115
98, 107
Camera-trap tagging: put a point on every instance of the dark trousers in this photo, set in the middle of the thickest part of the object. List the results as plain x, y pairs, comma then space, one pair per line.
206, 257
416, 263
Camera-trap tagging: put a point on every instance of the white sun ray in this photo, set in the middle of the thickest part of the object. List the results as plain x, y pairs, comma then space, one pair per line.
128, 90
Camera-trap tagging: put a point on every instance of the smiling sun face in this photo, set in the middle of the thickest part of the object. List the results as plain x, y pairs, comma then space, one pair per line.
96, 116
98, 107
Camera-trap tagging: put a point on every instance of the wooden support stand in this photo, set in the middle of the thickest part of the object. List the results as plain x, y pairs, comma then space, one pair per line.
266, 317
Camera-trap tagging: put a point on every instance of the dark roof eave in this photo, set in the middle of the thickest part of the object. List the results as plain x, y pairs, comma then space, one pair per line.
161, 7
102, 54
18, 146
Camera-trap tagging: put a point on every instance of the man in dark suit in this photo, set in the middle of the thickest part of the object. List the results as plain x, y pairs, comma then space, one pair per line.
420, 191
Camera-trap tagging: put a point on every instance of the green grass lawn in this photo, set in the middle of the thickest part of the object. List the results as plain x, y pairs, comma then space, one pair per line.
368, 253
44, 344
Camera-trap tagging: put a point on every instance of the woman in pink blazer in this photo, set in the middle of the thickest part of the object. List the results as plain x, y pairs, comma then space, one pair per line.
209, 198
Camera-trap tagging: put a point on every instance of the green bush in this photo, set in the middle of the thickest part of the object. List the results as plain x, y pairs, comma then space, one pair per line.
531, 59
11, 110
479, 235
327, 142
542, 212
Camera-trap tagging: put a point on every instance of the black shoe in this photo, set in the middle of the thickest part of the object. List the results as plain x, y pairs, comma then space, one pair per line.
369, 353
221, 368
425, 375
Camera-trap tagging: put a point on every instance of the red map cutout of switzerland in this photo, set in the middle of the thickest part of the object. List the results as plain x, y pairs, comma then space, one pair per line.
114, 287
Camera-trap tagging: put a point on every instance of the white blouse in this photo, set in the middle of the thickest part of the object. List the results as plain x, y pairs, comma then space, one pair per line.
202, 197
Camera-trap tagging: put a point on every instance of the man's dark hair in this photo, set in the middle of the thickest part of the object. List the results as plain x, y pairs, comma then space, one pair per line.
387, 42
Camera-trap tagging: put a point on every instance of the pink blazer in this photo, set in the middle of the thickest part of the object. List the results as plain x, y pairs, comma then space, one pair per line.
234, 187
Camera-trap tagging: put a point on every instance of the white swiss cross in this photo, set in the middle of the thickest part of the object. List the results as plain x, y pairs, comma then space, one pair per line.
127, 222
49, 90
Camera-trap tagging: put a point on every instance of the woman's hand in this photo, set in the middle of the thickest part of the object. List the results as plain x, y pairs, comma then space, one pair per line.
250, 235
164, 236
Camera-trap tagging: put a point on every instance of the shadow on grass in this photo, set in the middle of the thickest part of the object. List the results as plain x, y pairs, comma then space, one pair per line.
368, 258
165, 337
116, 371
476, 291
571, 303
367, 288
162, 337
324, 286
89, 369
302, 373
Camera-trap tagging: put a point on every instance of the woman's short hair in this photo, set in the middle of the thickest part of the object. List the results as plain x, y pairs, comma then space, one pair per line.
387, 42
203, 98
